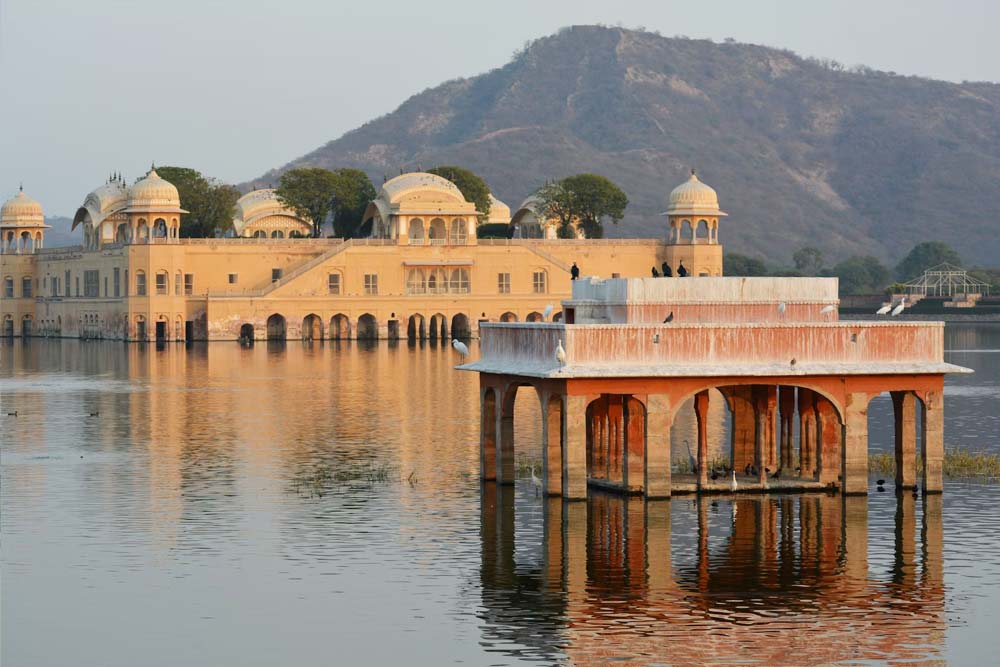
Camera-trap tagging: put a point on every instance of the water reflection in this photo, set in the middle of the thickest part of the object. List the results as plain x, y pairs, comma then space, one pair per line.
759, 580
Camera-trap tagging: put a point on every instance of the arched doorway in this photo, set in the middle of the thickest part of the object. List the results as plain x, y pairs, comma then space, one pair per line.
534, 317
616, 435
415, 328
246, 334
508, 317
438, 327
460, 327
340, 327
276, 328
312, 327
367, 327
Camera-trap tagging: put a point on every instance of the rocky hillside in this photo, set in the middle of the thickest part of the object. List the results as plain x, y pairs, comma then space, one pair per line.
800, 151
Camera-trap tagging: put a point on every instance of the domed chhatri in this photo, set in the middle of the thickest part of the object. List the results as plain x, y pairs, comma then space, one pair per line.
22, 211
153, 192
693, 198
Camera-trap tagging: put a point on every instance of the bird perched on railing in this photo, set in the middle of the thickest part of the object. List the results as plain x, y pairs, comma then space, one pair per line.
460, 347
826, 310
898, 309
884, 310
561, 353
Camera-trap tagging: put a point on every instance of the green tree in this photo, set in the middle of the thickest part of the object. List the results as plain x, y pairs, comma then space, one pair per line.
736, 264
473, 188
211, 204
587, 199
861, 275
925, 255
808, 260
353, 191
310, 192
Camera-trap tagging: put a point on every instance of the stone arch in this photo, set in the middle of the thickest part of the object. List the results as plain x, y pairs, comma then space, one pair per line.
701, 232
534, 316
276, 327
142, 231
340, 327
557, 317
508, 317
438, 327
160, 228
277, 234
367, 327
246, 333
460, 326
437, 233
685, 232
505, 459
312, 327
616, 440
415, 328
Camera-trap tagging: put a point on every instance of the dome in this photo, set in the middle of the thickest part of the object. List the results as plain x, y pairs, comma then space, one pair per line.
152, 192
21, 211
693, 198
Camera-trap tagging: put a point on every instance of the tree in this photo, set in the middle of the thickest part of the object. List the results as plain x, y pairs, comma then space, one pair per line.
586, 199
310, 192
472, 187
925, 255
808, 260
353, 191
861, 275
740, 265
211, 204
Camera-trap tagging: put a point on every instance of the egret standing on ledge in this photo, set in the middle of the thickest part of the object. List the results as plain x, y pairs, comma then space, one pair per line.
560, 353
460, 347
547, 311
884, 310
898, 309
732, 482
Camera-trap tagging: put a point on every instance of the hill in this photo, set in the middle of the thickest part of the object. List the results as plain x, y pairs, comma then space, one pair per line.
800, 151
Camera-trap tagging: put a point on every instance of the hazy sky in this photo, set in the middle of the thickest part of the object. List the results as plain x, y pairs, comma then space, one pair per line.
236, 87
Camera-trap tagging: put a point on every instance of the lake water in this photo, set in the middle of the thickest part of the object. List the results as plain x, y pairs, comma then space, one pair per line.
320, 504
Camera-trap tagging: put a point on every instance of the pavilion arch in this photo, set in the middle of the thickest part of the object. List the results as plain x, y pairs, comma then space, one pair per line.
534, 316
340, 327
247, 333
416, 328
508, 317
312, 327
616, 441
367, 327
437, 234
160, 228
276, 327
460, 326
907, 412
142, 231
415, 231
685, 232
702, 232
438, 326
505, 455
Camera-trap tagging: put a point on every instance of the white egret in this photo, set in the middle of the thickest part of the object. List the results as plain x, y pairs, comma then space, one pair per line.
781, 308
826, 310
898, 309
548, 311
561, 353
460, 347
732, 482
537, 483
884, 310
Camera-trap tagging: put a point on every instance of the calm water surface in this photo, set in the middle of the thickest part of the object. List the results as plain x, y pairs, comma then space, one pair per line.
320, 504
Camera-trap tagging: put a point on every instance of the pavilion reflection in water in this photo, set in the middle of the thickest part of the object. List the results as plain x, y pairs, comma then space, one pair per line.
762, 580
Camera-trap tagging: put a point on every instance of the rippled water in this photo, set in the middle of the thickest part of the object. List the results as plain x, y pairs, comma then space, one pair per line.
321, 504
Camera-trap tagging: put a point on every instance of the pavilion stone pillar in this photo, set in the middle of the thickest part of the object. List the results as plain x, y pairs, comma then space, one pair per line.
701, 413
904, 408
771, 440
616, 439
553, 416
786, 404
657, 451
829, 435
635, 445
932, 542
744, 427
488, 433
574, 454
658, 562
933, 449
505, 430
854, 468
905, 565
552, 545
807, 433
760, 407
855, 541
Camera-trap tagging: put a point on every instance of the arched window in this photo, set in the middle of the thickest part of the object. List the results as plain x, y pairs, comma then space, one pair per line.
416, 283
416, 231
437, 232
260, 234
277, 234
459, 232
459, 281
437, 282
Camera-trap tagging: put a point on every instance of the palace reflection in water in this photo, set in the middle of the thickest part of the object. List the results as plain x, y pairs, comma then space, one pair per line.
180, 498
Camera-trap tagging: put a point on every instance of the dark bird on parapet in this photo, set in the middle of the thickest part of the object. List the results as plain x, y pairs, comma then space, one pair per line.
12, 414
95, 414
670, 318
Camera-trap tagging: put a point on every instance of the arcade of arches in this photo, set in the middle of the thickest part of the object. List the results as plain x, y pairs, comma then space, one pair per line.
803, 435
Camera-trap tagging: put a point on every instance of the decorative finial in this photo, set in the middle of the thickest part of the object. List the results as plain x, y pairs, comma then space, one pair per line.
152, 166
20, 187
694, 172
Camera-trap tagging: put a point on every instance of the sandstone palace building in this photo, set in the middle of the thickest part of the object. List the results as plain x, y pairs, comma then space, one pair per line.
422, 273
